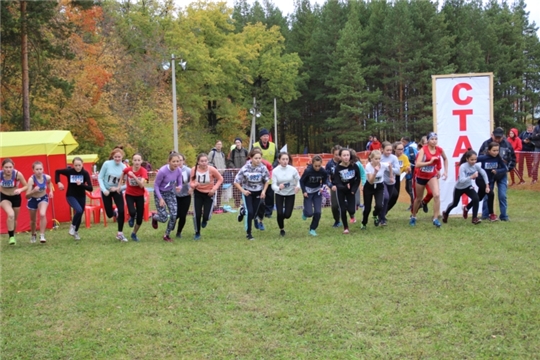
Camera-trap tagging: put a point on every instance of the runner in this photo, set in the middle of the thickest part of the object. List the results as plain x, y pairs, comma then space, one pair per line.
135, 177
10, 195
285, 183
38, 200
311, 182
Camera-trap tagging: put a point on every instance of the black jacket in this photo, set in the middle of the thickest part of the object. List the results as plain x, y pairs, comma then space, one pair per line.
506, 152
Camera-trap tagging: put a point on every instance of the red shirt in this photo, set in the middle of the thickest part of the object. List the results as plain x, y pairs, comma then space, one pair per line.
430, 171
132, 187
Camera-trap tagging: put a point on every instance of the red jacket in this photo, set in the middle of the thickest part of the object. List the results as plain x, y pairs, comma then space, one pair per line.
375, 145
516, 141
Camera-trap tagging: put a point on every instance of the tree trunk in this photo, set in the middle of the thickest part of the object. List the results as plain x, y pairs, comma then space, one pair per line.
24, 62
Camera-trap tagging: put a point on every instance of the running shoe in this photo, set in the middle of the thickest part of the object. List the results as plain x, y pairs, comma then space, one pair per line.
241, 214
167, 238
134, 237
412, 221
437, 223
504, 219
120, 236
261, 226
465, 212
346, 232
178, 235
337, 224
304, 217
154, 221
282, 233
33, 239
197, 237
12, 241
476, 221
203, 224
493, 217
352, 221
383, 223
376, 220
76, 236
363, 227
250, 237
71, 230
131, 222
312, 232
444, 217
424, 207
256, 224
42, 239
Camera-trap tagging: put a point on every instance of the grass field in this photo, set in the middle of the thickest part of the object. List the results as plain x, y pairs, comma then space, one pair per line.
461, 291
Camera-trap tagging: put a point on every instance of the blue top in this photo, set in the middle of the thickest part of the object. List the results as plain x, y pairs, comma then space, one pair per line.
110, 175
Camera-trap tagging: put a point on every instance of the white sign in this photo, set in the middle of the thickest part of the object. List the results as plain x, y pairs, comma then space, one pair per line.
463, 118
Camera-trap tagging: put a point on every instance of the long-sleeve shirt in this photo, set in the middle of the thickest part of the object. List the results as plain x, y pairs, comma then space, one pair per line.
252, 178
506, 152
394, 163
167, 180
288, 176
330, 169
490, 163
110, 175
347, 175
208, 180
465, 172
312, 181
73, 176
404, 163
186, 173
363, 176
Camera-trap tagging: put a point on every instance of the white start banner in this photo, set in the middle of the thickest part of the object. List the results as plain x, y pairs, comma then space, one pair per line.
463, 119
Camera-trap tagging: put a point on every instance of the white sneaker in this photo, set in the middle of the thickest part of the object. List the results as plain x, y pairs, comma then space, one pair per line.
42, 239
33, 239
121, 237
76, 236
71, 230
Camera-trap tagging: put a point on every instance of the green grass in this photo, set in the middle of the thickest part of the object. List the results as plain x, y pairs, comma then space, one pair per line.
461, 291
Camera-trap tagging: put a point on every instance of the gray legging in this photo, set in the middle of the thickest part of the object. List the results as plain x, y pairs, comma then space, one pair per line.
170, 201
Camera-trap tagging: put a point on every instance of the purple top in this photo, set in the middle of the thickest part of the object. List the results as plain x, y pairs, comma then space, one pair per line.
167, 180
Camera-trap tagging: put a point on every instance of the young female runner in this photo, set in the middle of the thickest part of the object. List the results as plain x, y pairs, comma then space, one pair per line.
374, 188
78, 183
168, 181
404, 167
285, 183
427, 164
110, 183
469, 170
10, 195
135, 177
496, 170
330, 169
389, 179
183, 197
311, 182
205, 182
252, 181
346, 181
38, 200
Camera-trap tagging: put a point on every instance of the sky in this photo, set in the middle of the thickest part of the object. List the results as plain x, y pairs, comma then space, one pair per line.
287, 7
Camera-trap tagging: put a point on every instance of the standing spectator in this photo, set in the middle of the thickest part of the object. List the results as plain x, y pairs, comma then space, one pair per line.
217, 159
527, 159
410, 149
330, 169
368, 144
269, 153
507, 154
515, 141
535, 139
375, 144
236, 160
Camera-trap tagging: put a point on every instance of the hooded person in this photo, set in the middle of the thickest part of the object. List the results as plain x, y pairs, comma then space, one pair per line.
515, 141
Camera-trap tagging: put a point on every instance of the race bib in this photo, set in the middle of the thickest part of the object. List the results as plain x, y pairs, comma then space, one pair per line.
347, 174
8, 183
74, 178
427, 169
491, 165
254, 177
133, 182
400, 163
203, 179
113, 180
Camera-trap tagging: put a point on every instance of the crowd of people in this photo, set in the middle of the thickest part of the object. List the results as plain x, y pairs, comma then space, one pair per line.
266, 180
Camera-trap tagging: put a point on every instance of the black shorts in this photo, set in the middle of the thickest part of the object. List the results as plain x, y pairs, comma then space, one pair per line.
422, 182
15, 200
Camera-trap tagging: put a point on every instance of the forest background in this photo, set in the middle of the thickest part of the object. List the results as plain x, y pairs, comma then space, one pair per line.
340, 71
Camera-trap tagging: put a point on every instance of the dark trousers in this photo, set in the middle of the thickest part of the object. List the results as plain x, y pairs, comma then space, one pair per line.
409, 188
312, 208
108, 205
372, 191
387, 192
182, 207
334, 205
202, 208
472, 194
347, 204
78, 204
252, 202
135, 205
395, 193
269, 201
284, 208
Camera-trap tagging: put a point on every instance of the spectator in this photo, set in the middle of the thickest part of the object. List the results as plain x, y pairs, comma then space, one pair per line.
507, 154
269, 153
515, 141
527, 159
217, 159
375, 144
236, 160
369, 142
535, 139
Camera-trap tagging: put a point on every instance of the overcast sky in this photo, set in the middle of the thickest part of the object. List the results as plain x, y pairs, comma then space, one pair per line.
287, 6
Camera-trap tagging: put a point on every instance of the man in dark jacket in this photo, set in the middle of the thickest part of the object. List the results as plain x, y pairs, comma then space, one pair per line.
236, 159
506, 152
527, 158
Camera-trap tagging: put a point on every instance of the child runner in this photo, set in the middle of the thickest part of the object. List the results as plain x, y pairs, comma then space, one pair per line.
110, 183
389, 178
311, 182
38, 200
429, 195
404, 168
496, 170
427, 164
135, 177
168, 181
346, 181
468, 171
374, 187
252, 181
285, 183
362, 179
330, 168
205, 182
263, 210
183, 197
10, 195
78, 183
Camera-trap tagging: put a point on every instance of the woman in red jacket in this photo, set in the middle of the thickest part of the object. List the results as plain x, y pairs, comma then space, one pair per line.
515, 141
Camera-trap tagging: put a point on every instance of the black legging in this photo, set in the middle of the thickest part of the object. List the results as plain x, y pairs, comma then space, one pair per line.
372, 191
183, 204
284, 209
201, 201
347, 203
135, 205
395, 193
252, 203
269, 201
108, 205
482, 193
471, 193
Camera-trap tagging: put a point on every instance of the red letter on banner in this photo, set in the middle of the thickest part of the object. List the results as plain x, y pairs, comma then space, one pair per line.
455, 94
462, 145
462, 118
